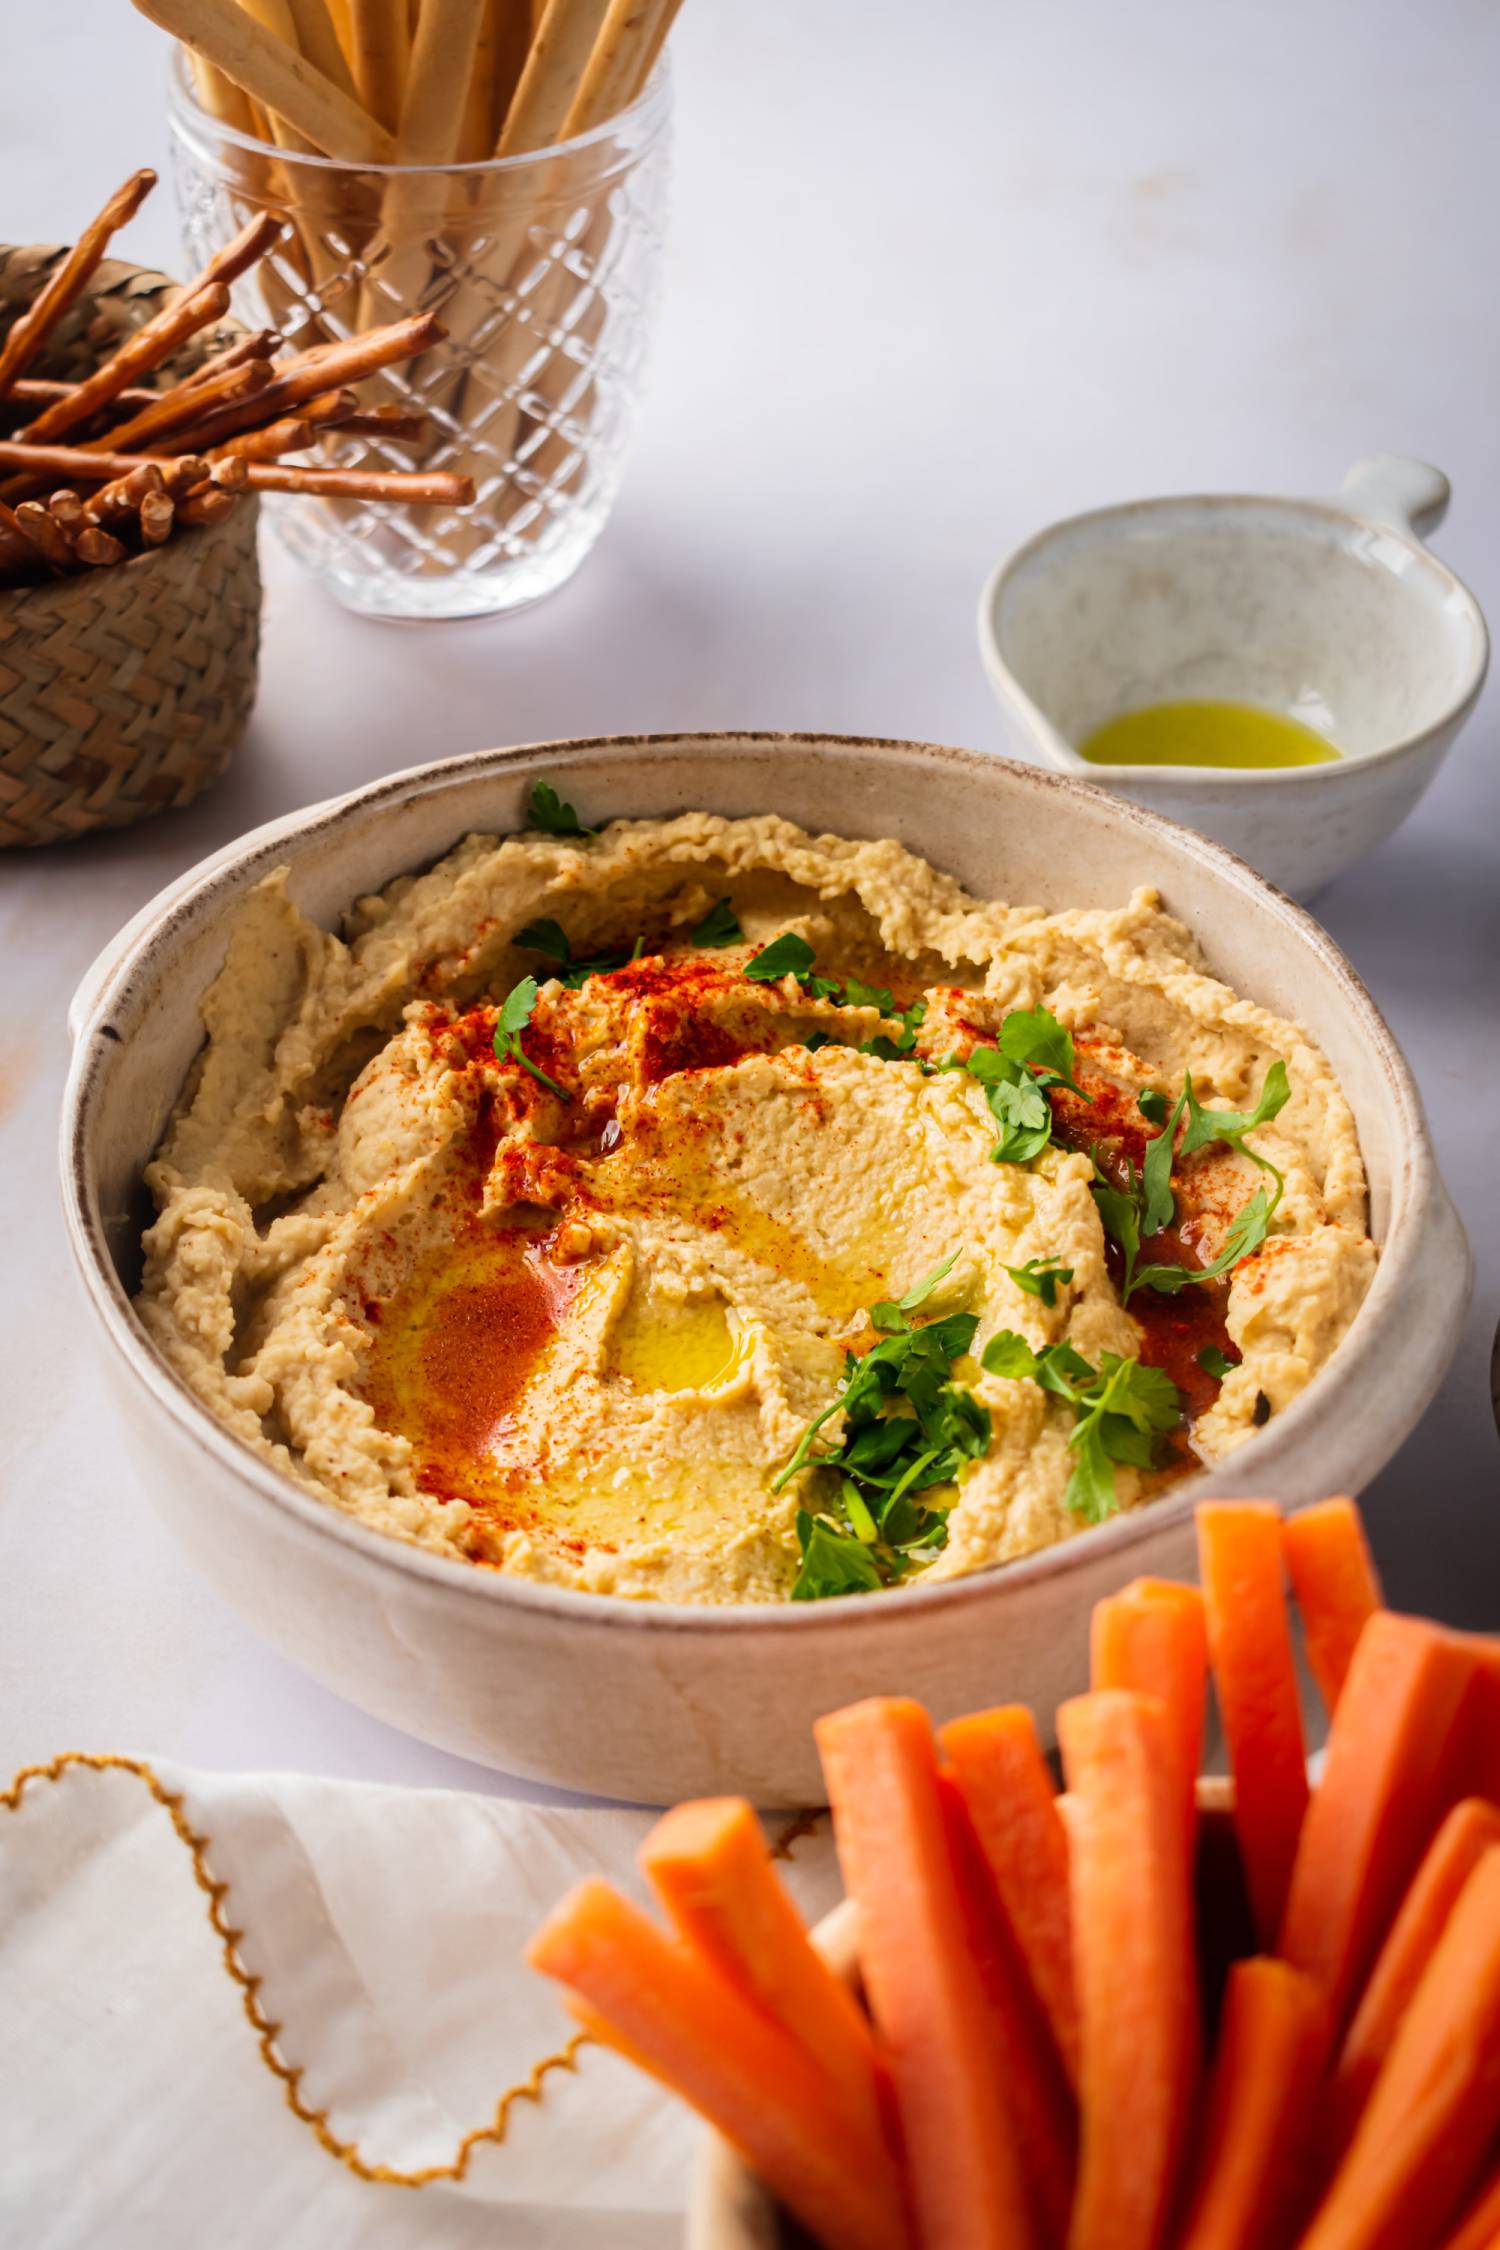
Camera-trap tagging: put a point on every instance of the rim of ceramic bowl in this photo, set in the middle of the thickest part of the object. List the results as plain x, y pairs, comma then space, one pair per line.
1339, 773
1416, 1183
649, 109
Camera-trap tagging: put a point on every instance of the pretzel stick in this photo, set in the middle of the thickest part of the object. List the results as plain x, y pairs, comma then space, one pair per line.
554, 70
262, 343
40, 390
67, 512
290, 435
118, 501
317, 371
286, 82
156, 513
153, 342
208, 506
382, 49
77, 463
17, 554
615, 66
386, 422
232, 475
188, 403
242, 251
48, 538
99, 548
67, 283
435, 490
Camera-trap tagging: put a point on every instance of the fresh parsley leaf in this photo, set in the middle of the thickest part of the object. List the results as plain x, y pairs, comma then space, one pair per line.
896, 1046
815, 1040
889, 1315
858, 995
1121, 1408
1158, 1208
1039, 1277
547, 811
515, 1015
1249, 1231
719, 927
1205, 1125
1035, 1038
786, 956
1119, 1212
833, 1562
1216, 1363
547, 937
1152, 1105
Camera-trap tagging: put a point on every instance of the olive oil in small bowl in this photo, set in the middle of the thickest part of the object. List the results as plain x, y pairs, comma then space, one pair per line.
1234, 737
1283, 675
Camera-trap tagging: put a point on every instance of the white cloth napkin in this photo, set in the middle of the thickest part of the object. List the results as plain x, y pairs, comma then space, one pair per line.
369, 2013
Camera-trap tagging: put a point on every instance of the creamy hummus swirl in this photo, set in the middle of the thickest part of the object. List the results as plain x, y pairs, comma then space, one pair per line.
567, 1311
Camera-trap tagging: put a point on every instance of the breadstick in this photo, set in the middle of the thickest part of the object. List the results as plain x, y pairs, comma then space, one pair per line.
435, 490
220, 96
300, 380
48, 538
442, 58
554, 71
272, 73
616, 64
153, 342
665, 20
499, 58
382, 51
98, 548
319, 41
29, 333
157, 512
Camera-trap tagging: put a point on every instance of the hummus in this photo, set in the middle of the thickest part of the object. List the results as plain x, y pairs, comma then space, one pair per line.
561, 1289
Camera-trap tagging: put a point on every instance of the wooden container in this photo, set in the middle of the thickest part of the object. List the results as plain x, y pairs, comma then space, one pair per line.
123, 691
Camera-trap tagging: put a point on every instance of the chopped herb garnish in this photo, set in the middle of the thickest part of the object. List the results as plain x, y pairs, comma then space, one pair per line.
815, 1040
897, 1046
1039, 1277
1152, 1105
1121, 1408
514, 1016
548, 812
719, 927
858, 995
1216, 1363
549, 938
1035, 1038
1145, 1205
907, 1430
1034, 1052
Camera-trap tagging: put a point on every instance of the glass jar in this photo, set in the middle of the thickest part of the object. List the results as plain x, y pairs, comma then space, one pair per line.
545, 272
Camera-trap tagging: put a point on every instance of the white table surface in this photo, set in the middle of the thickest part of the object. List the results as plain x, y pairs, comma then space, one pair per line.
937, 277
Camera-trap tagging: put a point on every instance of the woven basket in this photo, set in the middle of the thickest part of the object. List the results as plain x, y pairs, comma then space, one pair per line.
122, 691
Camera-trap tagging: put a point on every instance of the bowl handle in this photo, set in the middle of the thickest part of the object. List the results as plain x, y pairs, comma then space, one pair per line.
1396, 490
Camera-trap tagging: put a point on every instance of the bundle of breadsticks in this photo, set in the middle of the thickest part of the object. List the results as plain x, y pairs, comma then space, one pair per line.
98, 469
418, 82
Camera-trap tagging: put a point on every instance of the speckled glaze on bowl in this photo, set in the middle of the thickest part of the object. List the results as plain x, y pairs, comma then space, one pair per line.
649, 1701
1332, 611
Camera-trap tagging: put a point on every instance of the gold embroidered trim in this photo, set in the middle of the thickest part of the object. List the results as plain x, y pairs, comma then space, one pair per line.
530, 2089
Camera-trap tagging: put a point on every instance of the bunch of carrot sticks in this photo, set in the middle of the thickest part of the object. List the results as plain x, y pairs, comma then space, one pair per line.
417, 81
1114, 2019
98, 469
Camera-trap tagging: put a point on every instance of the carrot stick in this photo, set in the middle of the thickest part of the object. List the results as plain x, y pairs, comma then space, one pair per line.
708, 1864
1337, 1590
1255, 1678
1480, 2228
1387, 1783
1435, 2106
1469, 1831
1152, 1638
880, 1769
1003, 1779
724, 2055
1041, 2104
1255, 2167
1135, 1964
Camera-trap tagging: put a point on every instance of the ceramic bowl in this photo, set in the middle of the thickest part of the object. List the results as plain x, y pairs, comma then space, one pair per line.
644, 1700
1331, 611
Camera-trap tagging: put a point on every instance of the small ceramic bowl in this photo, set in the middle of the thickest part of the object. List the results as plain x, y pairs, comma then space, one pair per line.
1329, 611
